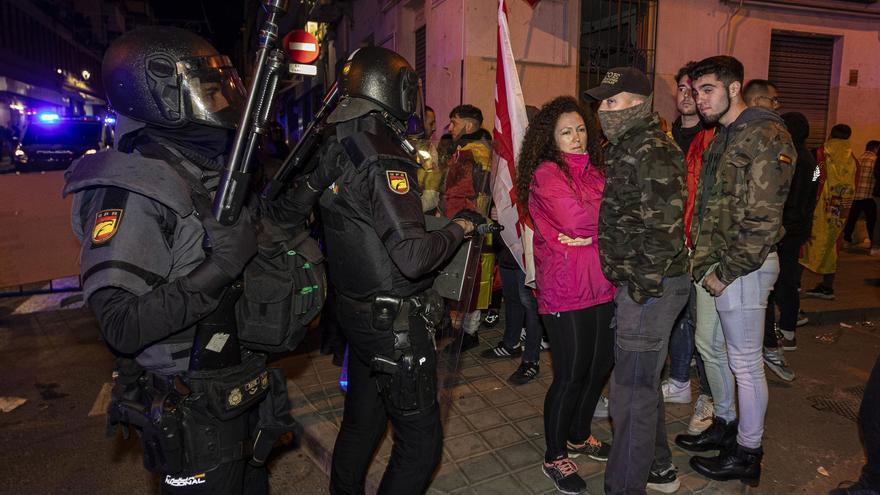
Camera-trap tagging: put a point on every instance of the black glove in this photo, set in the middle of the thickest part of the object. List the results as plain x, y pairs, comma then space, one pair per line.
232, 246
471, 216
330, 166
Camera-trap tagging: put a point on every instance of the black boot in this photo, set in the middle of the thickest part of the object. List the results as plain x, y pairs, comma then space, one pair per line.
717, 436
738, 463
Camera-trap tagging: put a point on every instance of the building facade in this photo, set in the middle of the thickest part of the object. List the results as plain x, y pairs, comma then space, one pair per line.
821, 53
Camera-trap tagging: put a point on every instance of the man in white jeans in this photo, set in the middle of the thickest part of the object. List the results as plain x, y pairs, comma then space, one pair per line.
744, 182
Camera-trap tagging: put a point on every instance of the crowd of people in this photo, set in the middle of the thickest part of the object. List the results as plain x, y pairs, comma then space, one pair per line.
653, 242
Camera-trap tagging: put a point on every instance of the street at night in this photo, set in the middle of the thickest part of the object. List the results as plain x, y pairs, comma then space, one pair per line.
404, 247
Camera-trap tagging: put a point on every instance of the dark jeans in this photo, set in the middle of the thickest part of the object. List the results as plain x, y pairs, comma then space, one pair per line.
785, 293
859, 206
418, 436
520, 309
582, 343
869, 421
642, 340
681, 348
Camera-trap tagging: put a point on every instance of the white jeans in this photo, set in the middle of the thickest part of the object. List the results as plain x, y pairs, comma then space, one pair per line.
729, 337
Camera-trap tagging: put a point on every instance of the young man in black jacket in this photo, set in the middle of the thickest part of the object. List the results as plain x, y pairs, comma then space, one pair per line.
797, 219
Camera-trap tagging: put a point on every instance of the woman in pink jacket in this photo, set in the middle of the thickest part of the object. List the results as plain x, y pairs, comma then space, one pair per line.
561, 179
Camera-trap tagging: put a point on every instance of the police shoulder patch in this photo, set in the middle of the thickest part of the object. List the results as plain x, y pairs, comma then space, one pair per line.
783, 158
397, 181
106, 225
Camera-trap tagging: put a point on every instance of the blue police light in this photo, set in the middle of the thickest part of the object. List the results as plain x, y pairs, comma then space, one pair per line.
48, 117
343, 375
109, 119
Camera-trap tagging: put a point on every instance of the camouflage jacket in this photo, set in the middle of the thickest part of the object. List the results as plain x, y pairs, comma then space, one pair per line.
641, 220
746, 174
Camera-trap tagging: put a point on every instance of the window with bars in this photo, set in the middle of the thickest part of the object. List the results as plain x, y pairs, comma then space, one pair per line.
421, 34
616, 33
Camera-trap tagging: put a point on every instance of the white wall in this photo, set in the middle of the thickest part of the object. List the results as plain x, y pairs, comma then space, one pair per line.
695, 29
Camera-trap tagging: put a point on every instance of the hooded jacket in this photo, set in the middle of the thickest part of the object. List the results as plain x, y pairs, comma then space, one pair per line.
797, 214
568, 277
744, 183
467, 176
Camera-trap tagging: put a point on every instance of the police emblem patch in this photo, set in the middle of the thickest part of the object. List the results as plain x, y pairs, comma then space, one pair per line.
106, 225
234, 397
397, 181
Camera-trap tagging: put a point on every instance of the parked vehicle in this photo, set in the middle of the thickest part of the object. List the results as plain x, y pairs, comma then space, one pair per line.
50, 142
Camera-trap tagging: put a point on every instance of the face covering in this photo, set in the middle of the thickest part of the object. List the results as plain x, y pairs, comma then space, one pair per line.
616, 122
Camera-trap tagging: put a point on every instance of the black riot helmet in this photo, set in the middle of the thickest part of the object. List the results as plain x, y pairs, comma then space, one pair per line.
376, 79
169, 77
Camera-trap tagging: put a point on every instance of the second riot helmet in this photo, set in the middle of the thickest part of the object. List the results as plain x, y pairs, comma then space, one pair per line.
377, 79
169, 76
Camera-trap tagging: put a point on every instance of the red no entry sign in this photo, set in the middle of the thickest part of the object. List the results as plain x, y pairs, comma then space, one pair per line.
301, 46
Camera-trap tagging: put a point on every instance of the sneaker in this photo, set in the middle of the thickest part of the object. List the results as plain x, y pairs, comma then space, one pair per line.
491, 318
524, 374
875, 251
802, 319
775, 360
601, 408
593, 448
545, 345
463, 342
664, 480
501, 351
788, 344
676, 392
821, 292
563, 472
704, 411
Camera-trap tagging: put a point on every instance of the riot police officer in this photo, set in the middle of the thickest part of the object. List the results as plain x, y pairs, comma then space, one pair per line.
160, 273
381, 261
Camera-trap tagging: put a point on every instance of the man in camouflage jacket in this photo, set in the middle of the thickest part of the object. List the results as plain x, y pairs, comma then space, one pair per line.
738, 222
641, 246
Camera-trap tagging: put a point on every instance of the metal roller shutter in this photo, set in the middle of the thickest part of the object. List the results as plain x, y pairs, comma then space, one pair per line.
800, 66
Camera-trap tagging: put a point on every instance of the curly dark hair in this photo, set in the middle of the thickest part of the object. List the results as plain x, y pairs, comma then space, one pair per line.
539, 143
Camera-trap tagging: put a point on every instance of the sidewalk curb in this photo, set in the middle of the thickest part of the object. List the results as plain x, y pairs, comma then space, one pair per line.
319, 434
842, 315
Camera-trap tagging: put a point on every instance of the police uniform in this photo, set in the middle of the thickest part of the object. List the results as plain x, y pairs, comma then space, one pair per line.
382, 261
165, 305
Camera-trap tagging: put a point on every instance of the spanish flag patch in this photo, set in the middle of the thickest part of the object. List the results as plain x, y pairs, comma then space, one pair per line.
783, 158
106, 225
397, 181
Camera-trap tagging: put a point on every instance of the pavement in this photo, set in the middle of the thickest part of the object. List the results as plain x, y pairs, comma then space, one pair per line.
494, 439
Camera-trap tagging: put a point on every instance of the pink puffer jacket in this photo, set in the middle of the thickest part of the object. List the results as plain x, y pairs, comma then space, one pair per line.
568, 277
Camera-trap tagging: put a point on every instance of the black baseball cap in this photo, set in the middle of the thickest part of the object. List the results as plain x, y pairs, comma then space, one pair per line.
621, 79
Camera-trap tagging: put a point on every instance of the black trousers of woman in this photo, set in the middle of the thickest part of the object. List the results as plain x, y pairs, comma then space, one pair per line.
583, 353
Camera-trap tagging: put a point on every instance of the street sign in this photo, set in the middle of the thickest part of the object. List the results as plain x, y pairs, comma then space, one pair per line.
304, 69
301, 46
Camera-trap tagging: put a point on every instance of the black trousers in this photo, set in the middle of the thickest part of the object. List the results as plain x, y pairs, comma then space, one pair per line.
583, 354
785, 292
418, 436
869, 421
859, 206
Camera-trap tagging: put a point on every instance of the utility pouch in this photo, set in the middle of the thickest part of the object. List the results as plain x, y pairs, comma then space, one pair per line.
385, 309
284, 290
162, 436
409, 391
229, 392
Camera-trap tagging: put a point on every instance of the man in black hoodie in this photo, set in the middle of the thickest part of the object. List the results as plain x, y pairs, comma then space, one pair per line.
797, 219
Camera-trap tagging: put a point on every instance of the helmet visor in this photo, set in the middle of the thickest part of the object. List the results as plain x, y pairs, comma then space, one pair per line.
213, 93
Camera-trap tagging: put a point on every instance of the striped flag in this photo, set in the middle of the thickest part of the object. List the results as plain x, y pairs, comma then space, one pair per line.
510, 126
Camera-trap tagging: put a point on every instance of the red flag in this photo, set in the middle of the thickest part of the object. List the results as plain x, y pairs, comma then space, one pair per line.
510, 126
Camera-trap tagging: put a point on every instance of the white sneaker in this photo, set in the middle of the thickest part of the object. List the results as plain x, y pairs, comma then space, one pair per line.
704, 411
676, 392
601, 407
